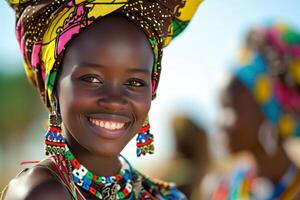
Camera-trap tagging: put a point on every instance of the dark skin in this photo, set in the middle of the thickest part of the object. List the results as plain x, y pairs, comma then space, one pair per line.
241, 117
105, 76
242, 130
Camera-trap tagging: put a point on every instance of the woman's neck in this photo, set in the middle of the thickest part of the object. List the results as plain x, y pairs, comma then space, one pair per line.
97, 164
273, 167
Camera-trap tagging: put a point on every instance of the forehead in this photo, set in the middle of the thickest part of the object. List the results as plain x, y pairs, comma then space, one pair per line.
239, 98
111, 40
236, 94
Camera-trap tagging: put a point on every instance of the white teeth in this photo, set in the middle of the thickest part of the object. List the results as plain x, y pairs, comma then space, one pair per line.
102, 124
107, 124
120, 125
113, 125
98, 123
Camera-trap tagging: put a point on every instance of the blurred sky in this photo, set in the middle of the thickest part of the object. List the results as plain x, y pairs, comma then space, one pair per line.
194, 65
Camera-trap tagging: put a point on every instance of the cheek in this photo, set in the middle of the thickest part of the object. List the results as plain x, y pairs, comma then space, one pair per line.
141, 107
72, 101
245, 136
71, 95
66, 100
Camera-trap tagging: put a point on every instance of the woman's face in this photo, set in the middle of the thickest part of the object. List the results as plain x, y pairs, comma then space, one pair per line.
104, 87
240, 117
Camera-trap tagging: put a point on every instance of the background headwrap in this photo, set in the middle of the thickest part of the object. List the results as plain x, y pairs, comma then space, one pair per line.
271, 71
44, 28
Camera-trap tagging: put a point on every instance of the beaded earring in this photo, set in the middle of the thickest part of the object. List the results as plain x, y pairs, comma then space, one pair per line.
144, 140
54, 140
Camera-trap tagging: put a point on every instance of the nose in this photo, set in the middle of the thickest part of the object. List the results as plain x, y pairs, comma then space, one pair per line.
112, 98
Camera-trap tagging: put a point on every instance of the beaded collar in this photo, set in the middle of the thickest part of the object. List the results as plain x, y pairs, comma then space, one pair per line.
119, 186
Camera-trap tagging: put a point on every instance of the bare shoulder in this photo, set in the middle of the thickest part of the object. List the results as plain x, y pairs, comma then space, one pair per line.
35, 184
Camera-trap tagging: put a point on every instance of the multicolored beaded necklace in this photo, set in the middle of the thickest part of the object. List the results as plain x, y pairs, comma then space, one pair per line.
119, 186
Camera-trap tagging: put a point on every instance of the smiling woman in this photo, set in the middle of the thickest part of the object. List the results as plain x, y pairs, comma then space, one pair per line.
105, 96
96, 65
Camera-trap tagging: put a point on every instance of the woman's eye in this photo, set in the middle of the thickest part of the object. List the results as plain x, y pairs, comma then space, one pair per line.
91, 79
136, 83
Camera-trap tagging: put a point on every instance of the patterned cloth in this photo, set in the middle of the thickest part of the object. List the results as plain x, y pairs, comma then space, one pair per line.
44, 28
271, 71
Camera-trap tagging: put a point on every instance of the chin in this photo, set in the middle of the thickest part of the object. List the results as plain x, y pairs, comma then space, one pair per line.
106, 149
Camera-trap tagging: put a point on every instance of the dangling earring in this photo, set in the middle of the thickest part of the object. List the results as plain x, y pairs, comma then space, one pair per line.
54, 140
268, 137
144, 140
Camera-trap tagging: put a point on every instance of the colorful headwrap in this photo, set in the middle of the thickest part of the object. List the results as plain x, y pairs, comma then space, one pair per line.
45, 27
271, 71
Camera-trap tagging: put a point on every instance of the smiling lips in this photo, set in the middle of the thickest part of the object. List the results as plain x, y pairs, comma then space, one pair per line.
110, 125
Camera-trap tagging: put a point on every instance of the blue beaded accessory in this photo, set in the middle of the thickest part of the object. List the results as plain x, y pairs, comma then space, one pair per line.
54, 140
144, 140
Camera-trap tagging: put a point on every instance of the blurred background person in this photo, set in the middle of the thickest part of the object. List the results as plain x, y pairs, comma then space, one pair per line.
261, 111
191, 158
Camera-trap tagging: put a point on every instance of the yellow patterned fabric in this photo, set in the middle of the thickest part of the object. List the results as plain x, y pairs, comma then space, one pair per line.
44, 28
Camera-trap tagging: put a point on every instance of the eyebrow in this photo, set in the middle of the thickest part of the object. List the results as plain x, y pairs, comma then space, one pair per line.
86, 64
138, 70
